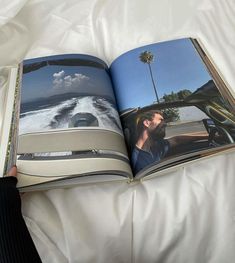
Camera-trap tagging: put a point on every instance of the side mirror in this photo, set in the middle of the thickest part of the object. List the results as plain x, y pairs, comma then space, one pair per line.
209, 124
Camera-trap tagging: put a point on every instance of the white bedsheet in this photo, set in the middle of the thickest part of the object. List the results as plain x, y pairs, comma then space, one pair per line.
187, 215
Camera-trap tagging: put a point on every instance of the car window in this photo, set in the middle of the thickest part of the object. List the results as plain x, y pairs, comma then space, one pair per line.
184, 120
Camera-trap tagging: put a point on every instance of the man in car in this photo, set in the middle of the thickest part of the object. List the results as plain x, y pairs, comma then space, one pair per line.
151, 145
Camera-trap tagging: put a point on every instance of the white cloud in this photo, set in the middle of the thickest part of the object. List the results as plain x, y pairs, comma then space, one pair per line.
67, 81
72, 82
59, 74
58, 79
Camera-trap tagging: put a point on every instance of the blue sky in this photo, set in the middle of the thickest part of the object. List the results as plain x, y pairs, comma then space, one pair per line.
52, 80
176, 66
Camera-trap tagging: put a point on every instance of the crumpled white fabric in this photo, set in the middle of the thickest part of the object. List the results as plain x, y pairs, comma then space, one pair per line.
184, 215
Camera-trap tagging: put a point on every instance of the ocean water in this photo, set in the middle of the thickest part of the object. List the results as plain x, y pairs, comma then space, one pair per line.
56, 115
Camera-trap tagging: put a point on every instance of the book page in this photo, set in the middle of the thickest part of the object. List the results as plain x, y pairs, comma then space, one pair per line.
170, 106
10, 85
67, 112
56, 89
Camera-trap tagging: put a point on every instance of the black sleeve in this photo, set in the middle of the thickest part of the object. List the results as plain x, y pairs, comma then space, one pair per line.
16, 244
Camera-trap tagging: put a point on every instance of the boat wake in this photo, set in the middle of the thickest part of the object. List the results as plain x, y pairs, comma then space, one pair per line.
58, 116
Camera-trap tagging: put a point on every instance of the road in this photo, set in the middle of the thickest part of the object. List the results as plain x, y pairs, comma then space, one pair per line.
184, 128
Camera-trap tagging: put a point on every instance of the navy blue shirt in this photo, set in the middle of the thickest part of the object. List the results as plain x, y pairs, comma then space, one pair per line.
140, 158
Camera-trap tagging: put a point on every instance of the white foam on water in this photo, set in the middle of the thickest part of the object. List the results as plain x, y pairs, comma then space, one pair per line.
40, 120
86, 104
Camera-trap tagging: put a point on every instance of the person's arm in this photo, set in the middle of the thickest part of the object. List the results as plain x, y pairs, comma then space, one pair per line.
184, 139
16, 244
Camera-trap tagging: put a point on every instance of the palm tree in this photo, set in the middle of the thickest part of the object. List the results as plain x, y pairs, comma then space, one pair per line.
147, 57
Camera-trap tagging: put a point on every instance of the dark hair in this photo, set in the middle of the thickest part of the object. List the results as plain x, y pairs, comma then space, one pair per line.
149, 115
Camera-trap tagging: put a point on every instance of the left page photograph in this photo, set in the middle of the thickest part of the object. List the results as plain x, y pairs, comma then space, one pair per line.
69, 123
67, 91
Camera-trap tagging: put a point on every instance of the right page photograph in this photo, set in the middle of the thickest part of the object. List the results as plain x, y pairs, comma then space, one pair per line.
170, 106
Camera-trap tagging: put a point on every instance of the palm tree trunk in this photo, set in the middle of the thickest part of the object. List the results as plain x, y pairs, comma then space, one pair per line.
154, 86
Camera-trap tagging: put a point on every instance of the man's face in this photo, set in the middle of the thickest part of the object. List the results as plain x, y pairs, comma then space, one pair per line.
156, 120
157, 127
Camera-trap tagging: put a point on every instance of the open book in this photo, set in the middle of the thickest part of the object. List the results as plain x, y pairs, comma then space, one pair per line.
76, 120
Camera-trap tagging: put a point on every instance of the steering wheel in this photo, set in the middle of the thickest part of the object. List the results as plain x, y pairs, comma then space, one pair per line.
219, 136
